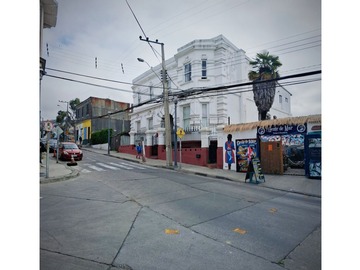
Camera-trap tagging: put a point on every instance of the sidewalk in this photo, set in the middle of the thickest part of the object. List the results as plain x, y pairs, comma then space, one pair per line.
290, 183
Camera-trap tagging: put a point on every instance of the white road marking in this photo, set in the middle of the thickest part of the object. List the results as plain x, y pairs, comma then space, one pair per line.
112, 166
96, 168
134, 166
107, 166
122, 166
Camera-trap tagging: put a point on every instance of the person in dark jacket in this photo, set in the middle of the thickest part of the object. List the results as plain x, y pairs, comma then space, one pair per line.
42, 150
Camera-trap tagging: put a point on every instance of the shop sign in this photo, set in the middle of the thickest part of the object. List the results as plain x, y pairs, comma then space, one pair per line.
282, 130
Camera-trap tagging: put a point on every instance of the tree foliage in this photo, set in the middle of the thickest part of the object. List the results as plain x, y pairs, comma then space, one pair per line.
73, 103
100, 137
60, 118
68, 117
265, 66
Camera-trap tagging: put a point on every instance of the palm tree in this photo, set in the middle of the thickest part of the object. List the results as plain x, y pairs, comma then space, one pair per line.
266, 66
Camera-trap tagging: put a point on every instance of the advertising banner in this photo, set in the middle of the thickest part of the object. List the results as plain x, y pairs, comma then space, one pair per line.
243, 146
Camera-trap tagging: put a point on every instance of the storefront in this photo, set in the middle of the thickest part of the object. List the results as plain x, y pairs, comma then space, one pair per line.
291, 139
284, 146
313, 155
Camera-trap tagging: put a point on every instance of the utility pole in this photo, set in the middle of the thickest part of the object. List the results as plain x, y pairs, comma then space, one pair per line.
67, 119
166, 104
109, 133
175, 135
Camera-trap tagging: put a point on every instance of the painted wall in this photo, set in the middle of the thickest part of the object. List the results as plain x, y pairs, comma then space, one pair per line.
83, 128
247, 134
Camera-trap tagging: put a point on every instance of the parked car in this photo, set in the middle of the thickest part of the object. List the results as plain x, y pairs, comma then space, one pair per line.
68, 150
52, 144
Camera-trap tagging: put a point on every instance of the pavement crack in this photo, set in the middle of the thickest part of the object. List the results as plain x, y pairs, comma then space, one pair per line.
72, 256
127, 235
82, 198
53, 237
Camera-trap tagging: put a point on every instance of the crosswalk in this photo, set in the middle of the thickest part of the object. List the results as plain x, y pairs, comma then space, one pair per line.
101, 166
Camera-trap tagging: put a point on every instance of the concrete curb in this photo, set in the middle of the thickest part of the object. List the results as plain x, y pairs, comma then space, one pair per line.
217, 176
74, 173
195, 171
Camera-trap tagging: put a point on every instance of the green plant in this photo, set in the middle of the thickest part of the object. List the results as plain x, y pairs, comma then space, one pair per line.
101, 136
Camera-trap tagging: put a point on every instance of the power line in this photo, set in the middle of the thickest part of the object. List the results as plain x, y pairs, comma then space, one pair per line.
98, 78
238, 89
288, 37
182, 92
87, 59
226, 87
88, 83
142, 30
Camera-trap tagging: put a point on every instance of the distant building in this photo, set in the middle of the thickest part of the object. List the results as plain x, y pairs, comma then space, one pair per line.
93, 115
200, 64
48, 17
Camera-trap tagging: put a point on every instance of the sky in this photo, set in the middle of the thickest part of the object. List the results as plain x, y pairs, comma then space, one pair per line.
101, 39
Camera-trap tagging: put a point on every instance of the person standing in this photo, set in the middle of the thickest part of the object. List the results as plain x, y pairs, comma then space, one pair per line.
138, 150
229, 151
250, 171
42, 150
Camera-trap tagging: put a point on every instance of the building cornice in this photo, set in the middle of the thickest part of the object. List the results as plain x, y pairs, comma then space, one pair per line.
50, 9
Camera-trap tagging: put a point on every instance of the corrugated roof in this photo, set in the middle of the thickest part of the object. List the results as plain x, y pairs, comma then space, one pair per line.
274, 122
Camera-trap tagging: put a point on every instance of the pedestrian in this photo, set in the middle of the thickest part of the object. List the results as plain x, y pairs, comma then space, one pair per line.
229, 151
250, 171
250, 154
138, 150
80, 140
42, 150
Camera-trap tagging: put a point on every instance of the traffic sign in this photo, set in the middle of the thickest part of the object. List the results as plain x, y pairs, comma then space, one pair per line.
58, 130
48, 126
180, 132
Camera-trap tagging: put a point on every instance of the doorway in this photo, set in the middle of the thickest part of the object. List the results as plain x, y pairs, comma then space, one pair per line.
212, 152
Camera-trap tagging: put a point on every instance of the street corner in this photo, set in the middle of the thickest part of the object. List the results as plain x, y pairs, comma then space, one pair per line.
57, 172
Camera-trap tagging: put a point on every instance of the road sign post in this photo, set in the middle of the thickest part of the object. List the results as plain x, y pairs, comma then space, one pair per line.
180, 133
58, 130
47, 127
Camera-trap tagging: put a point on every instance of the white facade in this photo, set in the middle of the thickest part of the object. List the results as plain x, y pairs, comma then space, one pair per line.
200, 64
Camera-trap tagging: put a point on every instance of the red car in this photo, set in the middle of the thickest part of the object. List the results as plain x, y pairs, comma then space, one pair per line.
69, 149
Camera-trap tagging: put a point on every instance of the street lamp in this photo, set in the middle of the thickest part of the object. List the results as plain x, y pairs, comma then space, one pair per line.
166, 103
143, 61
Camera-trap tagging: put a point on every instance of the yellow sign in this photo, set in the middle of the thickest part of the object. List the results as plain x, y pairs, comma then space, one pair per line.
180, 132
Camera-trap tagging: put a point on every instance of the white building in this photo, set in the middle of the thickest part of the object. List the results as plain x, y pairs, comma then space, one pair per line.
199, 64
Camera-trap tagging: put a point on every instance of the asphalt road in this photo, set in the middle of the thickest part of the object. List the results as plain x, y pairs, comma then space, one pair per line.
121, 215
